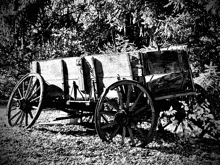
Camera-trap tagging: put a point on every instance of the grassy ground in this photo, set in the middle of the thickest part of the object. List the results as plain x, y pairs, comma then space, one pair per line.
69, 144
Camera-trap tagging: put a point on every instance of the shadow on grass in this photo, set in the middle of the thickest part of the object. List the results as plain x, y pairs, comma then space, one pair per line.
84, 132
170, 143
165, 142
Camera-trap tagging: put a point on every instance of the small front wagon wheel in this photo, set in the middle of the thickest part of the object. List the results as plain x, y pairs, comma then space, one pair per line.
125, 114
25, 103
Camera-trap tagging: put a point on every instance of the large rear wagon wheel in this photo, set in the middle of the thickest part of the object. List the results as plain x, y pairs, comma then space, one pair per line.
125, 114
25, 103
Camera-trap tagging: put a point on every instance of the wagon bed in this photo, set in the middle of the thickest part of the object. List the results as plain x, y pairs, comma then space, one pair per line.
92, 74
121, 94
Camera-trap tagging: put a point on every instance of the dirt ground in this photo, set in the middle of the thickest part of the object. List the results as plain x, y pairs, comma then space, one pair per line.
71, 144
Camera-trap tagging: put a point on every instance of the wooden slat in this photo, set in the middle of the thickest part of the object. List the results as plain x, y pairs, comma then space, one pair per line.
104, 70
109, 67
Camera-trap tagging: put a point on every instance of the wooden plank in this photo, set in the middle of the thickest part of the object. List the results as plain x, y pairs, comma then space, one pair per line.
109, 67
73, 69
105, 69
53, 72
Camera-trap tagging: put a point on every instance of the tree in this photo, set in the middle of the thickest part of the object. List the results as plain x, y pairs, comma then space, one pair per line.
42, 29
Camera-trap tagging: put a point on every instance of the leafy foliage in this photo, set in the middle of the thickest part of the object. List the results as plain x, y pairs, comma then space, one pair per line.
210, 81
48, 29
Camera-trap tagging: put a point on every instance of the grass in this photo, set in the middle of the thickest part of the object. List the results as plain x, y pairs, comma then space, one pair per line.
73, 144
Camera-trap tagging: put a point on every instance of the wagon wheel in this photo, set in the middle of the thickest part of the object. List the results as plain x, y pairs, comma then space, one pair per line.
192, 115
125, 114
25, 103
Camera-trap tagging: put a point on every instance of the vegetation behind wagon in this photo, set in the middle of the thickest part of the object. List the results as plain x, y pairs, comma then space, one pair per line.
45, 29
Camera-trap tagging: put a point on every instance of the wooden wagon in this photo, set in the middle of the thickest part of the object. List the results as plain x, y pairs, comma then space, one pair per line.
122, 94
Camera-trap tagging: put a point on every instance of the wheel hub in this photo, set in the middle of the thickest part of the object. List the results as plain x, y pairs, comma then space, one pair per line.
121, 117
24, 105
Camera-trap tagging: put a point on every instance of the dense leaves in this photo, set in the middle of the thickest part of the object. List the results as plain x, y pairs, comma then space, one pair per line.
48, 29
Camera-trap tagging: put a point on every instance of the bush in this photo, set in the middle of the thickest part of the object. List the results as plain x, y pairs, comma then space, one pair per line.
7, 84
210, 81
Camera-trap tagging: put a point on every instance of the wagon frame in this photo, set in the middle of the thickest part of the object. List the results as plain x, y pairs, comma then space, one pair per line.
123, 95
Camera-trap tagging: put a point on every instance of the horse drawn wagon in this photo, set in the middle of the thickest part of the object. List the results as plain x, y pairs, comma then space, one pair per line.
123, 95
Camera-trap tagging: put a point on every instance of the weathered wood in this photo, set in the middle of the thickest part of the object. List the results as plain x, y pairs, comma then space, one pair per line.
107, 68
93, 75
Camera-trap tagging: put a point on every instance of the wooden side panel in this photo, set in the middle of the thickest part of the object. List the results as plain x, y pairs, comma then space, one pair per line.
51, 71
59, 74
75, 74
108, 68
73, 69
95, 72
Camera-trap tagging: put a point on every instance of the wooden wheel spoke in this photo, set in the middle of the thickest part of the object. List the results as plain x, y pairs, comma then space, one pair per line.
15, 115
109, 113
22, 118
110, 102
123, 135
139, 130
23, 89
136, 101
128, 97
108, 125
141, 109
14, 108
121, 104
122, 90
29, 86
114, 133
32, 100
34, 92
29, 92
31, 115
131, 135
34, 108
26, 119
19, 92
15, 99
103, 117
19, 117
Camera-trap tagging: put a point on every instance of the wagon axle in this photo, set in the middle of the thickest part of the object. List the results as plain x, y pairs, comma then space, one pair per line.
24, 105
